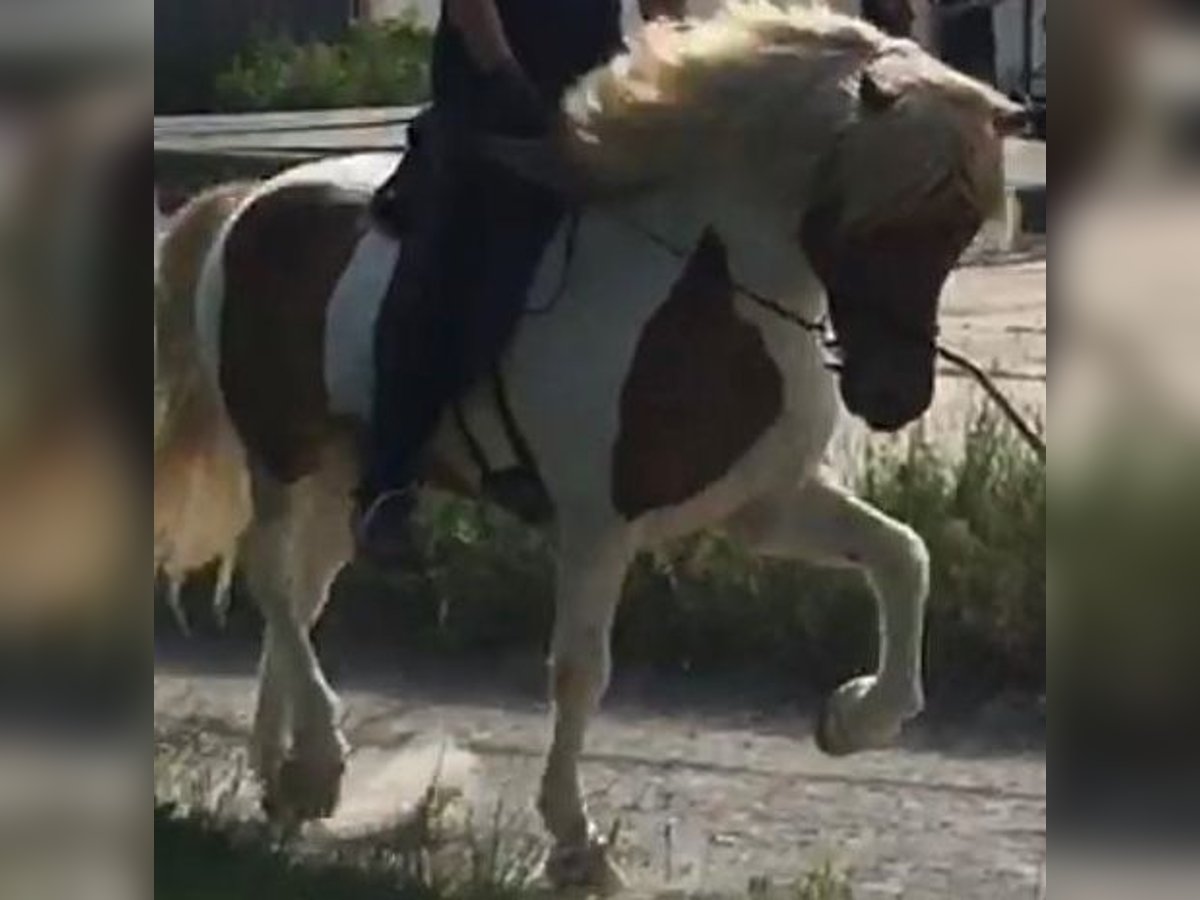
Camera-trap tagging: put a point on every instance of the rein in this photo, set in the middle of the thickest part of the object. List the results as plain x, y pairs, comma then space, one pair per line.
820, 327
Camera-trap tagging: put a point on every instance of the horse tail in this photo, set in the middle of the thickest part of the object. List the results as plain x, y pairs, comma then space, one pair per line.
202, 502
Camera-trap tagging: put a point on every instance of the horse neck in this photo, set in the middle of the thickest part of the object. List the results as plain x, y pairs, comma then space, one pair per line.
761, 239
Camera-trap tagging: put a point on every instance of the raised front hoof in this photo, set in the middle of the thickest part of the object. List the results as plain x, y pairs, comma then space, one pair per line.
586, 869
856, 717
828, 734
303, 790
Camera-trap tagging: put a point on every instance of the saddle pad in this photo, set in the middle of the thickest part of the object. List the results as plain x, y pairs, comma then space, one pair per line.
354, 308
350, 325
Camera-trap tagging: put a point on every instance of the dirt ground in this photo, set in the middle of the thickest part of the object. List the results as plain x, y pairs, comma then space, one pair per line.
708, 798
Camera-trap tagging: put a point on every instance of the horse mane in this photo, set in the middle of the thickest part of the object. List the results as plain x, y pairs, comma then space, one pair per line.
758, 89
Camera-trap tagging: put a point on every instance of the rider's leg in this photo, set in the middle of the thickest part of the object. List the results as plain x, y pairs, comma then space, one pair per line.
413, 336
439, 329
555, 45
416, 376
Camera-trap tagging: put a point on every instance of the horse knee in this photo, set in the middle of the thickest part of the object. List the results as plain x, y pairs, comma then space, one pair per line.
901, 562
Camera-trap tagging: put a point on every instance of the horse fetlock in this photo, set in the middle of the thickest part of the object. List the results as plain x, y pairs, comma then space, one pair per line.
265, 759
322, 747
560, 804
583, 866
307, 788
909, 700
316, 727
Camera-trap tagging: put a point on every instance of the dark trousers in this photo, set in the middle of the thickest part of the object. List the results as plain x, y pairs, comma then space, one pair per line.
466, 265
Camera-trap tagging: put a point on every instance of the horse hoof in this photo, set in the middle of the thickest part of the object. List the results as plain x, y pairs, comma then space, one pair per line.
829, 735
858, 717
306, 789
586, 868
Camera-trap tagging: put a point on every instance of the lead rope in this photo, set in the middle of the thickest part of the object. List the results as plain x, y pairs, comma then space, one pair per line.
1035, 441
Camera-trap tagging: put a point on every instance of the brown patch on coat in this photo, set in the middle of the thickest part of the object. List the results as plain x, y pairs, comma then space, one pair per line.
283, 260
702, 389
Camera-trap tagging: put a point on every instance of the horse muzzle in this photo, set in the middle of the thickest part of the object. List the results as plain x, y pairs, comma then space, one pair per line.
889, 393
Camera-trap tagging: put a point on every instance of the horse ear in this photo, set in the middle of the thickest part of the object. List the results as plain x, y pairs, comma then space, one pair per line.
874, 96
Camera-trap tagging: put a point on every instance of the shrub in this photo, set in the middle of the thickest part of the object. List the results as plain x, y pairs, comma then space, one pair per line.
376, 64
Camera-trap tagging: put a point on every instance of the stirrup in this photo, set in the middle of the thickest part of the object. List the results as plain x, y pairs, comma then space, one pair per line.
387, 545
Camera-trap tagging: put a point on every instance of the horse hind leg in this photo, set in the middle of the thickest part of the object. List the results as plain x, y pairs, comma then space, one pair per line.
591, 573
298, 544
825, 524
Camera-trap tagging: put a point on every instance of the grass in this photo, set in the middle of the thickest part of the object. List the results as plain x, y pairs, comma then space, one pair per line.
440, 851
209, 841
376, 64
199, 857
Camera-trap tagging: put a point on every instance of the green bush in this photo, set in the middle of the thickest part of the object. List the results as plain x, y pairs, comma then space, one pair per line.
377, 64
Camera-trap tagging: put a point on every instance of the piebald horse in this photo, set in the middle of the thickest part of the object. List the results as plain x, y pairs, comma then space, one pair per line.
744, 172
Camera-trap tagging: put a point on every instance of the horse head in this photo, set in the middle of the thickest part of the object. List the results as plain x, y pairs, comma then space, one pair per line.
899, 195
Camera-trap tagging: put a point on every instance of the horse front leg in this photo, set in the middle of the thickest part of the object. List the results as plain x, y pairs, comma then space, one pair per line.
591, 570
823, 523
